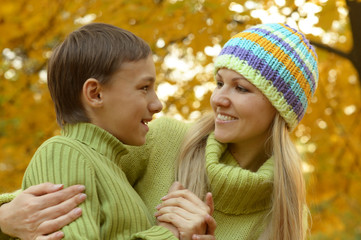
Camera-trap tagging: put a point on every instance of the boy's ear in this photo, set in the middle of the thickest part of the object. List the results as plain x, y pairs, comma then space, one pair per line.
92, 93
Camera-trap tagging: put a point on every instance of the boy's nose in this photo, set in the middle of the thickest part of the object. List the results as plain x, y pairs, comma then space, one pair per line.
155, 106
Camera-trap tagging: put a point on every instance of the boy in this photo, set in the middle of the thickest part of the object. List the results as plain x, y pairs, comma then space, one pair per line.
101, 80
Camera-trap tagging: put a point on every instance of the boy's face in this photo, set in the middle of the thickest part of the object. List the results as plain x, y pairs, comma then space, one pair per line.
130, 101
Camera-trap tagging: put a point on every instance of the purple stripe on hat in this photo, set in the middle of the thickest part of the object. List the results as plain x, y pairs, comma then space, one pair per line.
267, 72
290, 50
259, 51
289, 29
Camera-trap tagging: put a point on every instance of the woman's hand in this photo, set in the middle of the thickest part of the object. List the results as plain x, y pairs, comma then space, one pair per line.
41, 210
210, 230
175, 186
188, 213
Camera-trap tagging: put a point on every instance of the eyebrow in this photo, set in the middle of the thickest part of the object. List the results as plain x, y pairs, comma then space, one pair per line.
148, 79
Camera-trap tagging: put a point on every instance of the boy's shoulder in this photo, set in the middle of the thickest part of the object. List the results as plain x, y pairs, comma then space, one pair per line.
63, 143
58, 140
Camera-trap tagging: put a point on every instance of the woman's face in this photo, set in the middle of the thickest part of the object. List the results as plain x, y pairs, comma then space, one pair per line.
242, 112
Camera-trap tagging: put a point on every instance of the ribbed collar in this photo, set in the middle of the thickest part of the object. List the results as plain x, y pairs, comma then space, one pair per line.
236, 190
96, 138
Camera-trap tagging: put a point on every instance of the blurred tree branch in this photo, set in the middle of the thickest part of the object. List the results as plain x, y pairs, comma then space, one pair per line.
354, 55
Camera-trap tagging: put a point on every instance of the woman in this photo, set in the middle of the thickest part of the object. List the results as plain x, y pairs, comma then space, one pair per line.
242, 153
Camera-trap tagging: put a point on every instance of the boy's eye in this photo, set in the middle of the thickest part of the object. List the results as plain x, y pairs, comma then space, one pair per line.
145, 88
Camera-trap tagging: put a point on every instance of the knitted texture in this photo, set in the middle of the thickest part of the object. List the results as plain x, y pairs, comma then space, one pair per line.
86, 154
279, 61
8, 197
242, 198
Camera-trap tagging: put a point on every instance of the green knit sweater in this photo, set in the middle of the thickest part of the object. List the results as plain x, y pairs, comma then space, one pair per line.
86, 154
242, 198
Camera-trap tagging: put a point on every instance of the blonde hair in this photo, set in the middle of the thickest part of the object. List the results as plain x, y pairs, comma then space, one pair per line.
288, 220
285, 220
191, 171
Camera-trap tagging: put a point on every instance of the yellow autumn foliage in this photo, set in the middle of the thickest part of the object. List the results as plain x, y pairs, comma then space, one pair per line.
185, 35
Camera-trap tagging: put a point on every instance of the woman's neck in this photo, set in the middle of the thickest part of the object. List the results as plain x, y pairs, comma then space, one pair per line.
249, 156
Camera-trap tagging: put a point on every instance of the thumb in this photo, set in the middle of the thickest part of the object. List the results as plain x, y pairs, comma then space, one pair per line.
210, 203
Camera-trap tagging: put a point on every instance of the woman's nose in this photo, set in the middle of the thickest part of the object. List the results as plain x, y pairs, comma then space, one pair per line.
220, 98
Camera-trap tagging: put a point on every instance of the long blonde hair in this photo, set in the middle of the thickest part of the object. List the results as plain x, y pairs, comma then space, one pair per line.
286, 217
191, 171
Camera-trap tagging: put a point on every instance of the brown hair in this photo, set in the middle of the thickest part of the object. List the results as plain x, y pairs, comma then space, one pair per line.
95, 50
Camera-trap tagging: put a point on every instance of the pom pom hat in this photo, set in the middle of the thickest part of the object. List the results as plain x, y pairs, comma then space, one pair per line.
279, 61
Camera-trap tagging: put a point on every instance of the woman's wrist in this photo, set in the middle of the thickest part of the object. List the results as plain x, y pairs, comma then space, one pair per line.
170, 227
3, 219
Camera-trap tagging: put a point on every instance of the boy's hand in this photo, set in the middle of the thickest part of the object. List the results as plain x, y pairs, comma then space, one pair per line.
41, 210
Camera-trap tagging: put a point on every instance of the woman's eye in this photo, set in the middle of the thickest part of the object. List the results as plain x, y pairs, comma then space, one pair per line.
219, 84
241, 89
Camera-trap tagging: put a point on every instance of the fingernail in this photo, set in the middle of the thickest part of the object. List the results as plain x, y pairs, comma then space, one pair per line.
165, 197
158, 207
157, 214
77, 211
59, 234
82, 196
58, 186
81, 188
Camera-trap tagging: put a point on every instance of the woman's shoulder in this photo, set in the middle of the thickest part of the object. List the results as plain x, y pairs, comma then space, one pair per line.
167, 128
168, 124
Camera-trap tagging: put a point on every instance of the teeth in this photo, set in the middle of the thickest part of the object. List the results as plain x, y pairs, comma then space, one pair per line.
145, 122
225, 118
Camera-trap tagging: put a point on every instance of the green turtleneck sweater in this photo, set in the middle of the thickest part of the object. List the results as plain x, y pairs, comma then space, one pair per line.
86, 154
242, 198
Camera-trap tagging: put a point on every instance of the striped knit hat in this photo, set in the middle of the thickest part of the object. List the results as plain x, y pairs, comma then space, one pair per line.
279, 61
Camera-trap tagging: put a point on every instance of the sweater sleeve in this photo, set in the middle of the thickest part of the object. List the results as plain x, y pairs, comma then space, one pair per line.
134, 163
154, 233
5, 198
8, 197
60, 163
162, 132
